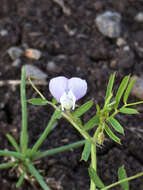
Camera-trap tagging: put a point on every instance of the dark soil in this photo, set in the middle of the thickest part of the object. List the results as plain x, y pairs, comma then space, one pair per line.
81, 50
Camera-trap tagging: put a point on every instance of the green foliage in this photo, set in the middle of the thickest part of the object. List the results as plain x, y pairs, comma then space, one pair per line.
83, 109
95, 178
122, 175
128, 90
121, 90
111, 134
116, 125
128, 111
92, 123
86, 151
110, 86
37, 101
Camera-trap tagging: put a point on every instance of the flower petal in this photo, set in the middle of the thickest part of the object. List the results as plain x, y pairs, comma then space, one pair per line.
58, 86
78, 87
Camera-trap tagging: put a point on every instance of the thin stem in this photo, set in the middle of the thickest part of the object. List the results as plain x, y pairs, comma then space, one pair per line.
13, 154
24, 135
60, 149
123, 180
45, 133
36, 174
36, 89
7, 165
93, 164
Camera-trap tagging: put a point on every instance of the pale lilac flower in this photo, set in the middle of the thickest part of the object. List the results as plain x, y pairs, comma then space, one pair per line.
67, 91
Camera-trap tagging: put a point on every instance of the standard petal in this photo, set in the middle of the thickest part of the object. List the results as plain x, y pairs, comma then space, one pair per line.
58, 86
78, 87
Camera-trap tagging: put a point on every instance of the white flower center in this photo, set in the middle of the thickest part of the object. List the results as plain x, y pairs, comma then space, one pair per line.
68, 100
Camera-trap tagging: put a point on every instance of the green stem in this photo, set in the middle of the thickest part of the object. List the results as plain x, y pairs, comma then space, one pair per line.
93, 164
69, 117
36, 174
60, 149
13, 154
123, 180
45, 133
24, 135
7, 165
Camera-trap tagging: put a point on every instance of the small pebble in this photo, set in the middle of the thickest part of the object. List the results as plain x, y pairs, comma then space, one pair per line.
139, 17
51, 66
35, 72
33, 53
137, 89
15, 52
17, 62
3, 32
108, 24
120, 42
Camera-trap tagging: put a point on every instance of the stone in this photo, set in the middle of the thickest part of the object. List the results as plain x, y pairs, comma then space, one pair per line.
33, 53
137, 89
15, 52
3, 32
120, 42
139, 17
108, 24
51, 66
16, 62
35, 72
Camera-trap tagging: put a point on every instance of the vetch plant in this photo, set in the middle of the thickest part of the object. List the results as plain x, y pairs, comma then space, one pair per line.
103, 121
67, 92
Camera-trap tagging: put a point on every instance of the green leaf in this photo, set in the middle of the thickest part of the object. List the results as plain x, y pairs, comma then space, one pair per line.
24, 135
116, 125
86, 151
110, 86
58, 114
128, 90
36, 174
13, 142
112, 135
95, 178
97, 108
7, 165
47, 130
20, 180
92, 123
54, 101
11, 153
121, 90
122, 175
37, 101
128, 111
82, 109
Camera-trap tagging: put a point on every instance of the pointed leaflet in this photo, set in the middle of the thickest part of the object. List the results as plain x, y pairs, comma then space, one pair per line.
82, 109
116, 125
86, 151
110, 86
37, 101
128, 90
121, 90
122, 175
20, 180
111, 134
13, 142
95, 178
129, 111
92, 123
